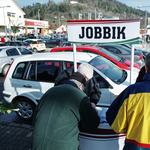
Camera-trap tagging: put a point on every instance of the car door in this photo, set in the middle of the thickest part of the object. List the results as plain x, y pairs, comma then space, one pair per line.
38, 77
12, 53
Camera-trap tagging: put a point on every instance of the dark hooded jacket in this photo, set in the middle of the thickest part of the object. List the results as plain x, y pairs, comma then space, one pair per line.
91, 88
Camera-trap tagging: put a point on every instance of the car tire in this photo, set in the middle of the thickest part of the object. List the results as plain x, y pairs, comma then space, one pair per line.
26, 109
34, 50
5, 69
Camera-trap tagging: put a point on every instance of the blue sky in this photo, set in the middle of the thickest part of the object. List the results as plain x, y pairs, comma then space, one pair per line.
131, 3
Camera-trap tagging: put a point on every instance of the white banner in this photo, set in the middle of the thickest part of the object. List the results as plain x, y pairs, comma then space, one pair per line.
100, 16
80, 16
104, 31
89, 16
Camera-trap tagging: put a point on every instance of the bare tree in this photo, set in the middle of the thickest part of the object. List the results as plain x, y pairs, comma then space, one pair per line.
15, 26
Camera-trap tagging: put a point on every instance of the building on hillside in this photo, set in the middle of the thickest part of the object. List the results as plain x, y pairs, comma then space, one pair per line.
61, 29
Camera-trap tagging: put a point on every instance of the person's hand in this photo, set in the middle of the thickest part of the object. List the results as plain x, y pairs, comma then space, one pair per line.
94, 106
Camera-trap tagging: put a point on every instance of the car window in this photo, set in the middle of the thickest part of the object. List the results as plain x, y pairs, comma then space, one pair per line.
12, 52
24, 51
109, 69
47, 70
19, 70
101, 81
33, 42
114, 50
31, 71
40, 42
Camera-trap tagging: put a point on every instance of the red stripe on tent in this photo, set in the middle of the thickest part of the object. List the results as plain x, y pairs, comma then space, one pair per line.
138, 144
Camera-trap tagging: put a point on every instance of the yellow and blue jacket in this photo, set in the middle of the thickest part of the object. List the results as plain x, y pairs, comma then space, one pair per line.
130, 113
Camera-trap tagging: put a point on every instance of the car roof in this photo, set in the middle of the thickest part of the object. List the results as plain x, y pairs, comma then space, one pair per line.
78, 46
67, 56
32, 39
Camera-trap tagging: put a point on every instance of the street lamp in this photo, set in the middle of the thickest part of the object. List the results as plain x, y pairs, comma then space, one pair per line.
95, 13
140, 6
38, 14
4, 19
59, 21
124, 15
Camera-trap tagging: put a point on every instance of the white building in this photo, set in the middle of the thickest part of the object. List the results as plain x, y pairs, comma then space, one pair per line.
12, 15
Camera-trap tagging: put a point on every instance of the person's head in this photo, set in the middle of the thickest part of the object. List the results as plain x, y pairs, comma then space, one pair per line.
79, 79
86, 70
147, 62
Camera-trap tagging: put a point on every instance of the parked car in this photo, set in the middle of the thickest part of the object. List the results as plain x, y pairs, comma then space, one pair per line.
119, 61
3, 44
36, 44
21, 38
19, 43
30, 77
124, 52
51, 43
136, 48
8, 54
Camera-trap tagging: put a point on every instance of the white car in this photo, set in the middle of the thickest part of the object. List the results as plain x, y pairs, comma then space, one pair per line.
30, 77
8, 54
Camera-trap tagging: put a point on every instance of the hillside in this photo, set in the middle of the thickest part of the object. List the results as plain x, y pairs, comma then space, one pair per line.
65, 11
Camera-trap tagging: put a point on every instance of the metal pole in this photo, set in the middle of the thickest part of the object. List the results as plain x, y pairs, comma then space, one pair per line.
132, 62
145, 25
59, 26
38, 14
95, 13
5, 23
74, 57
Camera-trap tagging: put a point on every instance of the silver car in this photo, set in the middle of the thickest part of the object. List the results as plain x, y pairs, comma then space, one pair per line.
8, 54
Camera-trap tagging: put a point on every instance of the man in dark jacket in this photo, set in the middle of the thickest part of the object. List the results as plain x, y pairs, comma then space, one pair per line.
62, 112
91, 88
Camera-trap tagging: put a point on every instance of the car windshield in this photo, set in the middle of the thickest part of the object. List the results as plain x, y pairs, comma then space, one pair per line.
109, 69
110, 54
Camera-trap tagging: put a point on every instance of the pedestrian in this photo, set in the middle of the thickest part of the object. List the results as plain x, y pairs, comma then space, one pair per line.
62, 111
141, 75
2, 39
130, 113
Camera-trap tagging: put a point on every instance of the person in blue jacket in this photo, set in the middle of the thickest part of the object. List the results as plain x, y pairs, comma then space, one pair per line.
130, 113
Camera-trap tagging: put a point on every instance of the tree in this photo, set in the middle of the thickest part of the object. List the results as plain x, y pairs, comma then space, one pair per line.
15, 26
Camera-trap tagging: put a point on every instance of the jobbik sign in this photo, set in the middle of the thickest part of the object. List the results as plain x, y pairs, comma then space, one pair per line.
104, 31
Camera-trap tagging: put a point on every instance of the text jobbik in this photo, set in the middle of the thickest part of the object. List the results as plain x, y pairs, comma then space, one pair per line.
104, 33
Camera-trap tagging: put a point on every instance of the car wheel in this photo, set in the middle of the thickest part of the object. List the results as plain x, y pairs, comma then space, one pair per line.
34, 50
26, 109
4, 71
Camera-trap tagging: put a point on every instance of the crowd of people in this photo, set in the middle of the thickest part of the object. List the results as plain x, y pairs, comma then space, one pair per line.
69, 107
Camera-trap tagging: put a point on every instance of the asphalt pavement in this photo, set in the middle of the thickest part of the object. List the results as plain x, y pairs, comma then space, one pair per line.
15, 136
